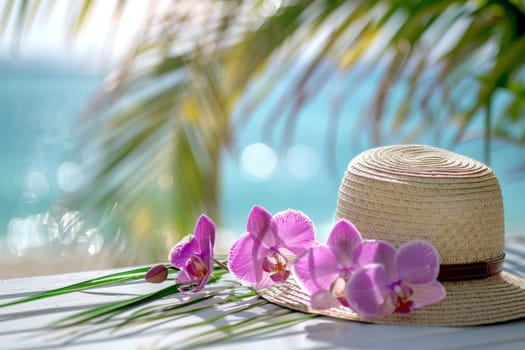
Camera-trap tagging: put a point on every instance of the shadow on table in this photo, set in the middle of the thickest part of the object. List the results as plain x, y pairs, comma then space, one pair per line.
214, 326
161, 324
330, 334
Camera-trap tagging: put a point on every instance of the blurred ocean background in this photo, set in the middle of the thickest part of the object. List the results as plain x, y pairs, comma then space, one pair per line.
40, 108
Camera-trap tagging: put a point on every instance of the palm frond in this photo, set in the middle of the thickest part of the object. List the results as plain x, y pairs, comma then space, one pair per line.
156, 133
119, 277
233, 310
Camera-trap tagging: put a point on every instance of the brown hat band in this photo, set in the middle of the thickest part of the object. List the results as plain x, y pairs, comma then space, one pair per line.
471, 271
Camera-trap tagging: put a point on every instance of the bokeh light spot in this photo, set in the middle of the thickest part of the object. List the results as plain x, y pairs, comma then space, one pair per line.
69, 176
96, 241
36, 186
302, 162
258, 161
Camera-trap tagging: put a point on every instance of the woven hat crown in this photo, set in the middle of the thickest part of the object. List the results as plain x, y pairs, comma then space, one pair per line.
406, 192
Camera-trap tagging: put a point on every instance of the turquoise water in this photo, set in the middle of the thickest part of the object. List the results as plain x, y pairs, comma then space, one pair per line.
39, 108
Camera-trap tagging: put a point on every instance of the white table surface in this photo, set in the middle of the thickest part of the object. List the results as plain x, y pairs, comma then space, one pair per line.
23, 326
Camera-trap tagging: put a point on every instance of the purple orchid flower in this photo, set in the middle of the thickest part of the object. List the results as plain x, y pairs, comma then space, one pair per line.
325, 269
194, 257
262, 255
394, 281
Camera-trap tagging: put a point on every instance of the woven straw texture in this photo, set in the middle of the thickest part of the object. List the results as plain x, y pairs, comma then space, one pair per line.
400, 193
406, 192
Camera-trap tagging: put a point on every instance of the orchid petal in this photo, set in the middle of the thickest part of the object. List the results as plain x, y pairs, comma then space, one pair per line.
204, 232
426, 294
210, 259
183, 279
202, 282
195, 266
343, 238
192, 275
323, 300
265, 282
366, 290
376, 252
195, 244
316, 269
280, 277
207, 259
417, 262
258, 224
246, 259
182, 251
293, 230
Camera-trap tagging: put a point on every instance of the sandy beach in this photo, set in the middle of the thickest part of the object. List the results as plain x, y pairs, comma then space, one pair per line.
44, 263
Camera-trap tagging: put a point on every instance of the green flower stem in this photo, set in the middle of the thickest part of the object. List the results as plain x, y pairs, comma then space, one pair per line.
221, 264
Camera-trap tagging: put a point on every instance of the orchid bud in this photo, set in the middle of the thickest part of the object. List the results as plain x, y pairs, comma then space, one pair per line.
157, 274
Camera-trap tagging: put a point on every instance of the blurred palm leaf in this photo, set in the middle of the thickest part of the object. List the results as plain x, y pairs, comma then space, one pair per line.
156, 132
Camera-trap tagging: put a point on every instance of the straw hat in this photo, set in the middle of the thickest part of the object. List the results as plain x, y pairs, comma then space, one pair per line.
406, 192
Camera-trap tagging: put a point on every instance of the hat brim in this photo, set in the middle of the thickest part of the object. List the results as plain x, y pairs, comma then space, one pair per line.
495, 299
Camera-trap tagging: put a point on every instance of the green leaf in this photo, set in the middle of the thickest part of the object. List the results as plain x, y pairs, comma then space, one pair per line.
114, 278
106, 312
109, 310
82, 16
155, 313
31, 14
6, 15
